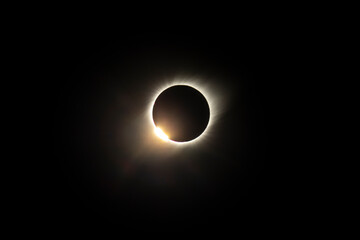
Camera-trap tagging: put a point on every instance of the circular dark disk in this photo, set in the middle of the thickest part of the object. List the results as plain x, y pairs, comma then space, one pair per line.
181, 112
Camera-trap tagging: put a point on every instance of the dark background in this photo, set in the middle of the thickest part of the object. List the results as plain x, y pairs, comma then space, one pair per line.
248, 177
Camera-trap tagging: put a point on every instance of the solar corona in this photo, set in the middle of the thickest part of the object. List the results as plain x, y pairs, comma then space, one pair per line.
182, 112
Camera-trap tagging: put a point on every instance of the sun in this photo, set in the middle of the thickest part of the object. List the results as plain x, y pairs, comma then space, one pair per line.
212, 94
161, 134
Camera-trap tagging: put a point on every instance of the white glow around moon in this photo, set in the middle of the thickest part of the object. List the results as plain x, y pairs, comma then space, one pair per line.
140, 136
213, 96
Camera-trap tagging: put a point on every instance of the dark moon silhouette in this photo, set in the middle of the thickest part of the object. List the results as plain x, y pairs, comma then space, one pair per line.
181, 112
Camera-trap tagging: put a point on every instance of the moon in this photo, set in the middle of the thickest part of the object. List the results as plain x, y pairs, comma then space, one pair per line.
180, 113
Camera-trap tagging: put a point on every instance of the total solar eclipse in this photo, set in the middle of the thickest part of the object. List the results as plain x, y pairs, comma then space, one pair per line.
181, 113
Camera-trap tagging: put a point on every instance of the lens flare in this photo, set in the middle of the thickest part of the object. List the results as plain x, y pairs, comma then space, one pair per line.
161, 134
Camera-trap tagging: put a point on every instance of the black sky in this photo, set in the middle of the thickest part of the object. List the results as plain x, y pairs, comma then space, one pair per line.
93, 80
